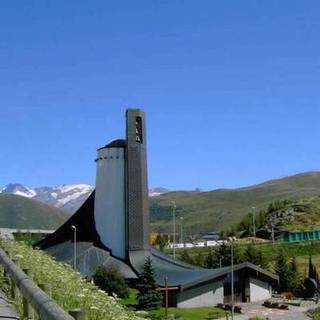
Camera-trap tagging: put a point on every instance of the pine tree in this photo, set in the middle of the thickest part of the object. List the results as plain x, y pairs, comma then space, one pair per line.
148, 296
283, 271
295, 279
313, 273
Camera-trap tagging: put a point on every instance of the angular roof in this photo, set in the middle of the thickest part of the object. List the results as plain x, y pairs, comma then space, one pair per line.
92, 251
184, 275
117, 143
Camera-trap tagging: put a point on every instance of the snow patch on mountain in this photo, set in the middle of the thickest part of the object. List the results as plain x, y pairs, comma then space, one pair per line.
68, 197
18, 189
154, 192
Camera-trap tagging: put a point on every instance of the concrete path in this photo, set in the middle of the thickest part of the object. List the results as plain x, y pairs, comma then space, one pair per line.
294, 313
6, 310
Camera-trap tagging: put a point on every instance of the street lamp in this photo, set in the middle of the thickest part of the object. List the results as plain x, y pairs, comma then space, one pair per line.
174, 228
74, 228
232, 280
254, 220
181, 229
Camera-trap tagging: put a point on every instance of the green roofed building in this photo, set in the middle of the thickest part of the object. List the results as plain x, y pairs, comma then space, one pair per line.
300, 236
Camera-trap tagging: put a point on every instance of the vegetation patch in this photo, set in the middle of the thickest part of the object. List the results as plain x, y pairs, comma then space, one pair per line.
190, 313
69, 288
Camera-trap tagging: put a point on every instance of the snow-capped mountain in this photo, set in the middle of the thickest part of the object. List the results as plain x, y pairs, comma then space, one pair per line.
157, 191
68, 197
19, 190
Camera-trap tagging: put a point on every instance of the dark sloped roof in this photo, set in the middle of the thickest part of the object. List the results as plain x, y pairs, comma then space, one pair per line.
179, 274
185, 275
118, 143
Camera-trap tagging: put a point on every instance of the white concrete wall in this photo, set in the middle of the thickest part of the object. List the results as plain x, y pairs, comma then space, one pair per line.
204, 296
259, 290
109, 206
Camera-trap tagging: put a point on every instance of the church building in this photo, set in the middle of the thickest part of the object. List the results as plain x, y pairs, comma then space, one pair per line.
112, 228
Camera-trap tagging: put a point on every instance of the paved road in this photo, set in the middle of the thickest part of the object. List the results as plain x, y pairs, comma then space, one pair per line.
6, 310
294, 313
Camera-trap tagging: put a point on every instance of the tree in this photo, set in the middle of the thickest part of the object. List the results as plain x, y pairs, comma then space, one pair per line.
161, 241
148, 296
210, 260
185, 257
255, 256
111, 281
295, 279
283, 271
223, 255
199, 259
313, 273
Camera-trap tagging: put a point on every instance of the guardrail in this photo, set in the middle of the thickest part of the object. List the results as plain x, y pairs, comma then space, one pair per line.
33, 297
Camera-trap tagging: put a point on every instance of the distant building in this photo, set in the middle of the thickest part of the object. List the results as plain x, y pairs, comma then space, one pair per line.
112, 228
300, 236
211, 236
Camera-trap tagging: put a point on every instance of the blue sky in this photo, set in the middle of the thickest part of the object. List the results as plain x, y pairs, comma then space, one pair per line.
230, 88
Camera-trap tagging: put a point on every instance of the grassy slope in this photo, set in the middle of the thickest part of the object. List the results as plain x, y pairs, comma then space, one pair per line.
20, 212
192, 313
69, 289
218, 209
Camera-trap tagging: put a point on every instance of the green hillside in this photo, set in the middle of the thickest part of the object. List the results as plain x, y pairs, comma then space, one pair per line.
20, 212
219, 209
293, 215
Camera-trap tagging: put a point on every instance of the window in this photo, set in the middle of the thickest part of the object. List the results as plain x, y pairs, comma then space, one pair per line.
139, 137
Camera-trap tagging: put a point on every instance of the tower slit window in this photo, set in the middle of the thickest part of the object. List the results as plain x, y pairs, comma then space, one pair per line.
139, 130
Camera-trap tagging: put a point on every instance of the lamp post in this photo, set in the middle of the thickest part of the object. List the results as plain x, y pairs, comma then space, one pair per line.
232, 281
174, 228
74, 228
181, 229
254, 220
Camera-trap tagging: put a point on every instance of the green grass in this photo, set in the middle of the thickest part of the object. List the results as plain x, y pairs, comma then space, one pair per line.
191, 313
315, 314
186, 314
131, 300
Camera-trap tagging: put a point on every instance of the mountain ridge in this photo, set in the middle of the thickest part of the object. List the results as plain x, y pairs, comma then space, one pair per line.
68, 197
21, 212
219, 209
202, 211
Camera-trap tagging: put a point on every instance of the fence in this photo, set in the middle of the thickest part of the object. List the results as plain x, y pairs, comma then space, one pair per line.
34, 298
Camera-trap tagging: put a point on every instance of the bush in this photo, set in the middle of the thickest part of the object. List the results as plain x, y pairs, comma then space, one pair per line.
111, 281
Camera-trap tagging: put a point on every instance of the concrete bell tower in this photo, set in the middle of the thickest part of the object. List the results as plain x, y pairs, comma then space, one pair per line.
137, 205
109, 203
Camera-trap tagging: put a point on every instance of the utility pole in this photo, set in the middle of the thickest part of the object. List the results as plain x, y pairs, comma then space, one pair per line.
174, 228
232, 280
181, 229
254, 220
232, 283
74, 228
167, 300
